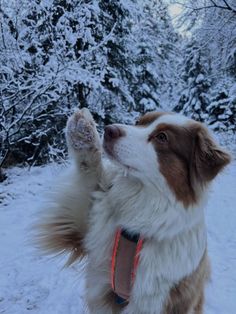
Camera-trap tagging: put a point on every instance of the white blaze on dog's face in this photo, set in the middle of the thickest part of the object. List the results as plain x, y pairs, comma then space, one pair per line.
167, 149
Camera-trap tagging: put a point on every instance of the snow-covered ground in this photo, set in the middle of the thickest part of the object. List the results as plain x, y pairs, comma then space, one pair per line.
30, 283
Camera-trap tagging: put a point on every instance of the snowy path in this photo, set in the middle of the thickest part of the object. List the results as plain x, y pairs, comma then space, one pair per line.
33, 284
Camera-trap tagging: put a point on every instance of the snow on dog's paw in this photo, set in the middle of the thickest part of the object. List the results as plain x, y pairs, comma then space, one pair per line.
81, 131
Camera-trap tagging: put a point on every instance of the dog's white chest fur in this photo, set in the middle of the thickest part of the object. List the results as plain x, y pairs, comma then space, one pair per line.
165, 258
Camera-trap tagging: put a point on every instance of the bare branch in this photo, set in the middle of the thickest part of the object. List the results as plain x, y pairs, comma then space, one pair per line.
229, 6
226, 7
213, 4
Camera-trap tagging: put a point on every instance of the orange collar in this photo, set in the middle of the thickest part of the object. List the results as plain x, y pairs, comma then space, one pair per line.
125, 260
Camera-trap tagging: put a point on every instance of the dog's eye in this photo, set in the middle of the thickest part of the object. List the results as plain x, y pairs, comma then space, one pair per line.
136, 122
162, 137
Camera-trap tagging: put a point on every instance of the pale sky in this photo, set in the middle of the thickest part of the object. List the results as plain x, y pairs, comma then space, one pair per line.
175, 10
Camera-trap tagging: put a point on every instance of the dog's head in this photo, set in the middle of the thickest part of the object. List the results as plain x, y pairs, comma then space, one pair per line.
167, 149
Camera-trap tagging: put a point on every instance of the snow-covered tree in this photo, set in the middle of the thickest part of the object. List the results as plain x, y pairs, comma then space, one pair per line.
53, 62
195, 98
114, 96
155, 52
222, 110
213, 27
115, 57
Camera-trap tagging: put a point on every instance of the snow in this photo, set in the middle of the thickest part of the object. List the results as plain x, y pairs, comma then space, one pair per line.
31, 283
200, 78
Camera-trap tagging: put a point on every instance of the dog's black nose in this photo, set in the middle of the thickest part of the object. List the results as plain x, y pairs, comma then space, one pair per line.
112, 132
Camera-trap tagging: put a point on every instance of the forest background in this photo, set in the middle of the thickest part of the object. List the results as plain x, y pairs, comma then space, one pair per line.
118, 58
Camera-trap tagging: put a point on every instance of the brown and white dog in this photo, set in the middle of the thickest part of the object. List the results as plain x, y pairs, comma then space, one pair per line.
154, 185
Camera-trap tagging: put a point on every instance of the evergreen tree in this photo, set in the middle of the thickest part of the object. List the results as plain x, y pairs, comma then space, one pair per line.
222, 110
154, 52
195, 98
213, 27
115, 96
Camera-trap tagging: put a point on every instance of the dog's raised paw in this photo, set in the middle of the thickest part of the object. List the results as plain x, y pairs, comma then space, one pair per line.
81, 131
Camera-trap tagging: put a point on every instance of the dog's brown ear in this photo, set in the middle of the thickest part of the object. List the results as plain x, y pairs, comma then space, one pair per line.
209, 158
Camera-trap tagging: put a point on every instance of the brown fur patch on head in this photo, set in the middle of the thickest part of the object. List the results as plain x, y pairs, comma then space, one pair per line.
188, 158
174, 158
188, 294
150, 117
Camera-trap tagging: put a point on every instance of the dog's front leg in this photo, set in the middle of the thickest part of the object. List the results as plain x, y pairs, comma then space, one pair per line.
66, 216
84, 144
